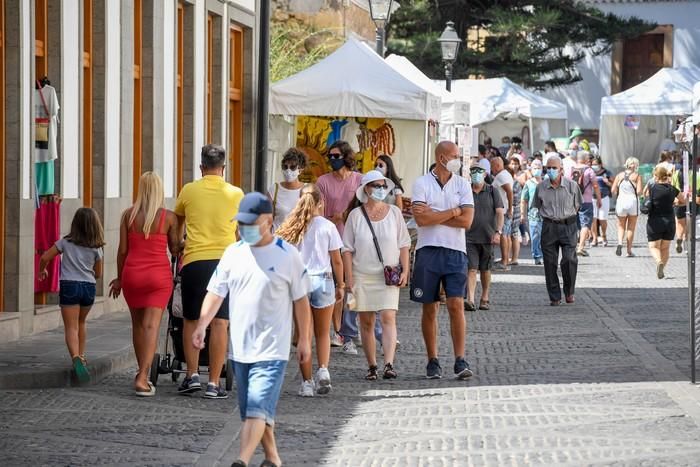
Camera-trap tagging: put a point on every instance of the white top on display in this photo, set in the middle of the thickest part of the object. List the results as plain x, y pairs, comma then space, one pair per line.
353, 81
668, 92
453, 111
498, 98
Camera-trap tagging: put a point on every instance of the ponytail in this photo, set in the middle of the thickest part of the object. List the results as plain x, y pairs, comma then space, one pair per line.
297, 223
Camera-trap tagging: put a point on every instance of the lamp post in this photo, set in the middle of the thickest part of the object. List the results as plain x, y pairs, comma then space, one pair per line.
380, 11
449, 44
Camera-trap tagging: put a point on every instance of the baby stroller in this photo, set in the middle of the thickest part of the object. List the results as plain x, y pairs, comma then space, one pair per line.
174, 363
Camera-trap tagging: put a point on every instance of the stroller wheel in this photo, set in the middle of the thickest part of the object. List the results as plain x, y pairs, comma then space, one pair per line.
154, 369
175, 369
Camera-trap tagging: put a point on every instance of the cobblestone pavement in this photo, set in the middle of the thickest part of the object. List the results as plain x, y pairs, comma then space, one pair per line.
601, 382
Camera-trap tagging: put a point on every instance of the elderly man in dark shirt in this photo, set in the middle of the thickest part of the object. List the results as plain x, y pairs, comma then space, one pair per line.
485, 232
558, 200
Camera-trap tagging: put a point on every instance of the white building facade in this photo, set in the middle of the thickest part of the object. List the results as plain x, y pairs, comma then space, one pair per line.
674, 43
142, 85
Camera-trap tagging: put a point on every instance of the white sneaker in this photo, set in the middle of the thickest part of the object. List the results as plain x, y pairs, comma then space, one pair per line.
349, 347
323, 381
307, 389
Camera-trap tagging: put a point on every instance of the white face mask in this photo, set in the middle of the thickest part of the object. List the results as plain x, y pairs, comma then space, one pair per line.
290, 175
454, 165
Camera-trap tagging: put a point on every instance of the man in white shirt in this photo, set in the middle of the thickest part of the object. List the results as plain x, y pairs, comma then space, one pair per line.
443, 207
265, 279
503, 184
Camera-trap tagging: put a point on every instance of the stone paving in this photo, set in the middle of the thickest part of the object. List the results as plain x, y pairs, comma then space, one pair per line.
601, 382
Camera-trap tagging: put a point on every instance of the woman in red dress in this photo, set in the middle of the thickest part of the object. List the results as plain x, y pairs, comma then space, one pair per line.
146, 233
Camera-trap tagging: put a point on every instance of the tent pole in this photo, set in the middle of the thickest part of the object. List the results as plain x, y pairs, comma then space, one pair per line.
691, 255
532, 139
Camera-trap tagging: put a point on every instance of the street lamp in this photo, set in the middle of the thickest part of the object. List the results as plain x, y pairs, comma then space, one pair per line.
449, 43
380, 11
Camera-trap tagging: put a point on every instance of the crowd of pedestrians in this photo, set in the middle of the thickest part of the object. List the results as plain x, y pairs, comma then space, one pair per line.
325, 261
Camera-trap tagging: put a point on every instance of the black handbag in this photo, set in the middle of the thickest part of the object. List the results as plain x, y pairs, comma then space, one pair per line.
392, 274
645, 208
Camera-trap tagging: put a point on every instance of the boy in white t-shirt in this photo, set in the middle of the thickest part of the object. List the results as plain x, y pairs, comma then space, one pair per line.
265, 279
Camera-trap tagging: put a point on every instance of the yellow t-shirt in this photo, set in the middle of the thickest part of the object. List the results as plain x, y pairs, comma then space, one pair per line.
209, 206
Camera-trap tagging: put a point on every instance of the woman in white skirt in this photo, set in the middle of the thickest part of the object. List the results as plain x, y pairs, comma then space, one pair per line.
364, 272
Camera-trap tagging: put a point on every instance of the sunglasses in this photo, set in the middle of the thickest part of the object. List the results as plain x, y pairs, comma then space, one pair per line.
289, 167
377, 185
335, 155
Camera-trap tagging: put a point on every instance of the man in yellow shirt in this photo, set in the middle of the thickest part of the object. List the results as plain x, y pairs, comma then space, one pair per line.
207, 209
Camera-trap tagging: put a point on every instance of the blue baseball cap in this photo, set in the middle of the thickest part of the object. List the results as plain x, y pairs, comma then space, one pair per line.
252, 206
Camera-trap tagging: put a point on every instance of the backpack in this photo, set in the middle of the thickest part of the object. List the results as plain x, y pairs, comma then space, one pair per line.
578, 176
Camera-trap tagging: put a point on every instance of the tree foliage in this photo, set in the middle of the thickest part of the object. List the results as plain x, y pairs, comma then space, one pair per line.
536, 43
295, 46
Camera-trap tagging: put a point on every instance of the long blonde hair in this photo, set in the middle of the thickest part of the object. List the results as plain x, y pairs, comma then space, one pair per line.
297, 223
148, 201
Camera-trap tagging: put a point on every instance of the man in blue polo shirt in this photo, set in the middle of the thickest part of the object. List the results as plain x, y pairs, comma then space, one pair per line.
443, 207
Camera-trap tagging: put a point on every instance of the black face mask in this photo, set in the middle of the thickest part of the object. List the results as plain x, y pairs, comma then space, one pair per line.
337, 164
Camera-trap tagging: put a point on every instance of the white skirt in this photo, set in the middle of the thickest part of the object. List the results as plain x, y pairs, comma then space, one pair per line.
372, 294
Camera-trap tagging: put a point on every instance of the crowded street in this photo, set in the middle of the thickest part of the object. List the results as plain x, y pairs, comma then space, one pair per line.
600, 382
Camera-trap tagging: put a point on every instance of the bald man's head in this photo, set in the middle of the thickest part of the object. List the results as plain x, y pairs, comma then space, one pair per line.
447, 149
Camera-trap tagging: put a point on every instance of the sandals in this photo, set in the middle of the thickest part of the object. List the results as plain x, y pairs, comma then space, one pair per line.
469, 306
389, 372
484, 305
371, 373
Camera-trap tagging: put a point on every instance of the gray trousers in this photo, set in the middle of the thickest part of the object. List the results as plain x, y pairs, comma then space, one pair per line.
554, 238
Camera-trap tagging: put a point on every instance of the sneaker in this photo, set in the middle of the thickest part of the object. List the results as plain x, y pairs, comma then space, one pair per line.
349, 348
323, 381
307, 388
336, 341
81, 370
215, 392
660, 271
433, 370
618, 250
605, 242
679, 246
190, 385
538, 261
461, 368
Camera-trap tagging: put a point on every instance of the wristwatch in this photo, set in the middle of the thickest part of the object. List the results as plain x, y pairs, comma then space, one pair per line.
498, 232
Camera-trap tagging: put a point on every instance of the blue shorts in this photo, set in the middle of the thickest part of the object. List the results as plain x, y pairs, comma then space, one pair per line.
73, 293
258, 386
507, 226
585, 215
322, 293
435, 266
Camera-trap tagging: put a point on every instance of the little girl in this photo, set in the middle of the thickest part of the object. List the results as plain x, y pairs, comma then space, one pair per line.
319, 243
81, 266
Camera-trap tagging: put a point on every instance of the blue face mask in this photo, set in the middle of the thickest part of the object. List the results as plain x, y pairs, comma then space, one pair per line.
337, 164
552, 173
478, 178
378, 194
250, 234
536, 172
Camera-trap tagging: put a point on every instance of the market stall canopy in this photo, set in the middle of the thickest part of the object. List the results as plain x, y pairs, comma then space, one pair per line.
454, 111
499, 98
668, 92
353, 82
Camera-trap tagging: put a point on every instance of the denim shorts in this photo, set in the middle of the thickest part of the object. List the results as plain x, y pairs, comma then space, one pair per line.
435, 266
507, 226
322, 292
585, 215
73, 293
259, 385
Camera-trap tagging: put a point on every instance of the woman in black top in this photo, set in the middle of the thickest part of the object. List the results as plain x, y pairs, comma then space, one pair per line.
661, 223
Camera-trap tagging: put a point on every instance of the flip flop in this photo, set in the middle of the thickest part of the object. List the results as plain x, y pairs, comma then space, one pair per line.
484, 305
150, 393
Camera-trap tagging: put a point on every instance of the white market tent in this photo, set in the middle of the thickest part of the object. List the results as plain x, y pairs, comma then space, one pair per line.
500, 107
696, 103
356, 82
453, 111
657, 102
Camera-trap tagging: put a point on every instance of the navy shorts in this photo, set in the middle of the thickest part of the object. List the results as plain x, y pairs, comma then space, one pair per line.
435, 266
73, 293
585, 215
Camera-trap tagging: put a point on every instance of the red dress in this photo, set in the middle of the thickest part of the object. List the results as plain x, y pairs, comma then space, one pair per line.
147, 280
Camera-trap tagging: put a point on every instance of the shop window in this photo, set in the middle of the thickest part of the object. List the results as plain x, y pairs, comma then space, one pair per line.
138, 43
235, 105
41, 24
87, 103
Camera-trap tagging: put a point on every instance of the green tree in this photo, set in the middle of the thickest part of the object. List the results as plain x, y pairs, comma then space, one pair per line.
536, 43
